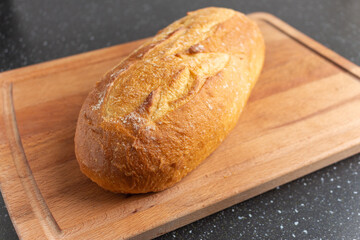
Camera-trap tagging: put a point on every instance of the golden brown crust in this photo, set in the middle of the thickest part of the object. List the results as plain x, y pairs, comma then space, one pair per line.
153, 118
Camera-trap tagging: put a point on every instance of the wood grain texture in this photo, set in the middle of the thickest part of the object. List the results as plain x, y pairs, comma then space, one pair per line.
302, 115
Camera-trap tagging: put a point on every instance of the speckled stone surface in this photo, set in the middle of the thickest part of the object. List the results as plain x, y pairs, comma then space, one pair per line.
322, 205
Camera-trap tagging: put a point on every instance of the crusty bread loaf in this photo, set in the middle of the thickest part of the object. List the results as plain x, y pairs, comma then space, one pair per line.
159, 113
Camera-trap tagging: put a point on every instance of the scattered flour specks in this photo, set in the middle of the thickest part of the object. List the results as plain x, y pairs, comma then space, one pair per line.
100, 101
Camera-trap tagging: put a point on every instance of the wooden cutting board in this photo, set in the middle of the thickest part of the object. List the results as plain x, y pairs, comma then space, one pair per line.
302, 115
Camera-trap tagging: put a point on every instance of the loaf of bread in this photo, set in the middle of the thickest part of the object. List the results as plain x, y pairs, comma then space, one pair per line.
158, 114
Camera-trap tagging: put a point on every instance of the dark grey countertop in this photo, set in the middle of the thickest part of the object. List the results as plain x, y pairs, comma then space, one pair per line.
322, 205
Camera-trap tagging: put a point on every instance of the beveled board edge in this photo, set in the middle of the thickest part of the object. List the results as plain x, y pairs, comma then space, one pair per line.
309, 43
46, 224
40, 209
